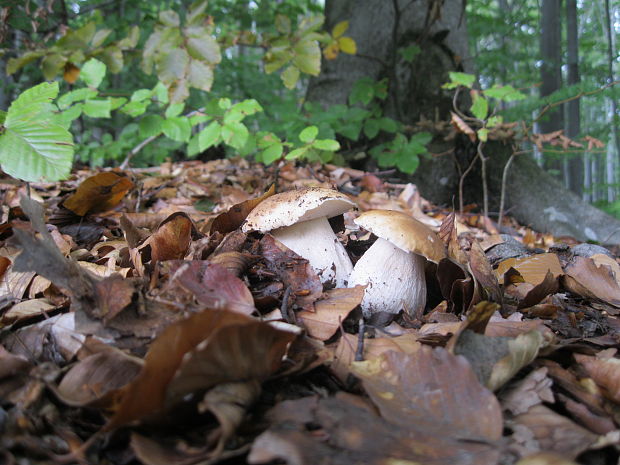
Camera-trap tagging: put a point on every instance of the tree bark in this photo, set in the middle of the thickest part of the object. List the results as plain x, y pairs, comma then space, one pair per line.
575, 163
534, 198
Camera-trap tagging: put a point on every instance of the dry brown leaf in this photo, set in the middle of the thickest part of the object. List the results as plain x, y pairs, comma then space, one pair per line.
329, 313
172, 238
605, 372
585, 278
208, 348
533, 269
99, 193
462, 126
236, 215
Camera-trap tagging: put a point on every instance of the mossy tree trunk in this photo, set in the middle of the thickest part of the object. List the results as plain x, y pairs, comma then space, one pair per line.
380, 28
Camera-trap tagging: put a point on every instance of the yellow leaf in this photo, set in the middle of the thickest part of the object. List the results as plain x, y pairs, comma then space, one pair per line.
340, 29
347, 45
331, 51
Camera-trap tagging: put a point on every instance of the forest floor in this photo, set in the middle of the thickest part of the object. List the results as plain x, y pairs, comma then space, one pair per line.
140, 324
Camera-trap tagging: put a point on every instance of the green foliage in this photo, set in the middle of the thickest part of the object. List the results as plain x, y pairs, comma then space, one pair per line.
33, 145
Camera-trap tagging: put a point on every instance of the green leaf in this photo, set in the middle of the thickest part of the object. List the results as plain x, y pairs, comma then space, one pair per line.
235, 134
347, 45
290, 76
93, 72
135, 108
272, 153
141, 94
117, 102
177, 128
75, 96
174, 109
388, 124
15, 64
462, 79
52, 64
308, 134
339, 29
483, 134
204, 48
151, 125
506, 93
169, 18
329, 145
248, 106
200, 75
410, 52
494, 121
224, 103
196, 13
161, 93
99, 38
33, 147
171, 66
65, 118
297, 153
363, 92
308, 57
209, 136
407, 163
371, 128
97, 108
112, 56
480, 107
283, 24
421, 138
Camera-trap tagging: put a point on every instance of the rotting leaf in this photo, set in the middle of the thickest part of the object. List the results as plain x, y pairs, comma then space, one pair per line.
585, 278
214, 286
329, 313
236, 215
113, 294
548, 286
98, 193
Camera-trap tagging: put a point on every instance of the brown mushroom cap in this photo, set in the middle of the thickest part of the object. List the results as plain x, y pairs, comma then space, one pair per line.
404, 231
288, 208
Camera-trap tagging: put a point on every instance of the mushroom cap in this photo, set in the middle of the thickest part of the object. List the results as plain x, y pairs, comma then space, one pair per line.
288, 208
404, 231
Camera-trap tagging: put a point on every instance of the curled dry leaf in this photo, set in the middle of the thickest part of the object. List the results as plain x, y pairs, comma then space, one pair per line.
482, 271
462, 126
206, 349
235, 262
329, 313
548, 286
99, 193
236, 215
585, 278
532, 390
457, 286
171, 239
605, 372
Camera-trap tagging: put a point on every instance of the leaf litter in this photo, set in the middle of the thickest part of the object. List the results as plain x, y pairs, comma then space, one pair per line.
138, 324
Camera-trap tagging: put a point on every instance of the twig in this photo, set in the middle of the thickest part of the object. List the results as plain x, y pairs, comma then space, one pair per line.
135, 150
485, 190
462, 181
284, 308
502, 197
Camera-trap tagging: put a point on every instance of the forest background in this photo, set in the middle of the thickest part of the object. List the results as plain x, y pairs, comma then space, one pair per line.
140, 82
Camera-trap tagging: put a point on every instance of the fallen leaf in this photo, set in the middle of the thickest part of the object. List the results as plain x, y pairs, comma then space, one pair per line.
585, 278
605, 372
171, 239
99, 193
532, 390
330, 312
533, 268
214, 286
236, 215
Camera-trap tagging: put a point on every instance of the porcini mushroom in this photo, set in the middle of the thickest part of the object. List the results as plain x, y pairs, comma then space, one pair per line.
298, 219
393, 267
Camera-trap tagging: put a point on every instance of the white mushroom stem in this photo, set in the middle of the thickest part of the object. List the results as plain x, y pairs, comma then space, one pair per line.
395, 280
315, 241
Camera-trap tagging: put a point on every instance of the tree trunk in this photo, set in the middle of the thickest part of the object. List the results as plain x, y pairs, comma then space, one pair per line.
379, 28
575, 172
551, 68
614, 147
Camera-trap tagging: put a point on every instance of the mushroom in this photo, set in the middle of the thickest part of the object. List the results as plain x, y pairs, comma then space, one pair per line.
298, 219
393, 267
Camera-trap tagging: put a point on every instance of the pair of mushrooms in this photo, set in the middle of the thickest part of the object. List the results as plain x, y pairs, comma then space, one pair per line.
392, 268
